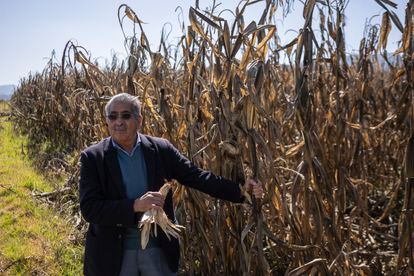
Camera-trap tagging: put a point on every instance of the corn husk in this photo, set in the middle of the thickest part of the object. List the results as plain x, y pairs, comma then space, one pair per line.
158, 217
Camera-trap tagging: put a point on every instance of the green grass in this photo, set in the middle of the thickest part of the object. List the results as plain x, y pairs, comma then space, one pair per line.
33, 237
4, 106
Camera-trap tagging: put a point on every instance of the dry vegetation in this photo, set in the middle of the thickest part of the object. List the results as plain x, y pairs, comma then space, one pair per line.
326, 134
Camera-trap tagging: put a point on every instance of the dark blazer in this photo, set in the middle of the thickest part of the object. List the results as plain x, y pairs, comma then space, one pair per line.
104, 204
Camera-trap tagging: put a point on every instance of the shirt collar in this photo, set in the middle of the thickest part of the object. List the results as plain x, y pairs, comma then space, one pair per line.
118, 147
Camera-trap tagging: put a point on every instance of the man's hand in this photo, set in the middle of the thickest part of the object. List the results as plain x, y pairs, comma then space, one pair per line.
150, 200
255, 186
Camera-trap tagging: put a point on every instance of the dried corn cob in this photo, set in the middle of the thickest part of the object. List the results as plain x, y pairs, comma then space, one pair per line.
158, 217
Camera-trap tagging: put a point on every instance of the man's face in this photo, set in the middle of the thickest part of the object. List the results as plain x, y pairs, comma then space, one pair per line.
122, 124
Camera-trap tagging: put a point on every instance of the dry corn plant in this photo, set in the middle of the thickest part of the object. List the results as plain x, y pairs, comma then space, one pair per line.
326, 134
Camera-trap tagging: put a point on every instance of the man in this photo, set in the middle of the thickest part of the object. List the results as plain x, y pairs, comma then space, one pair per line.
119, 180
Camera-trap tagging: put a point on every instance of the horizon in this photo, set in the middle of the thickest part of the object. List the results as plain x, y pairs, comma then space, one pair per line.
94, 25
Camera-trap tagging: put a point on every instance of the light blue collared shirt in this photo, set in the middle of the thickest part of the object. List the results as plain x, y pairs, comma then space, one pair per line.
137, 143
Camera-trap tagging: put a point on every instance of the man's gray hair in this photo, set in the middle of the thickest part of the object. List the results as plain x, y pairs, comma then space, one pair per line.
126, 99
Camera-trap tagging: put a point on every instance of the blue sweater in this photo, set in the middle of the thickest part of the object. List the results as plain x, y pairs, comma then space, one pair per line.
134, 178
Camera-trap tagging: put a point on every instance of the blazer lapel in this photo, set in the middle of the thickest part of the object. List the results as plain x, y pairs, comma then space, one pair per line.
112, 163
149, 157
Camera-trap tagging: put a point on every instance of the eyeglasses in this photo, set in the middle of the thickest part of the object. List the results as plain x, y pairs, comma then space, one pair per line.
124, 116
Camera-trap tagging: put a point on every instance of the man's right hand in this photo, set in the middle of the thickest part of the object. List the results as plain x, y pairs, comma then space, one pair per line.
150, 200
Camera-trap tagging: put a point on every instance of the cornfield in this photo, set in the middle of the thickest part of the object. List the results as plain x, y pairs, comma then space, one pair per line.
330, 136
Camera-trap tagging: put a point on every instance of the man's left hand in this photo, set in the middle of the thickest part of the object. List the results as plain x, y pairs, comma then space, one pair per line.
255, 187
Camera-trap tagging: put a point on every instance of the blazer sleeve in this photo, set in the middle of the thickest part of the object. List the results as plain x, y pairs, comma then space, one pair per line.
97, 208
190, 175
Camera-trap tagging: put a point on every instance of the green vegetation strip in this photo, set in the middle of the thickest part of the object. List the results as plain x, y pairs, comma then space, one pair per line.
34, 238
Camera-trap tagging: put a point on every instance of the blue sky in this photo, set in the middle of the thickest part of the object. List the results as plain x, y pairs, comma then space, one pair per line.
31, 29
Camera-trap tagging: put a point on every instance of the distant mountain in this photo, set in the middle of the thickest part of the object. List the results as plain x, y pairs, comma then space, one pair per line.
6, 91
354, 56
